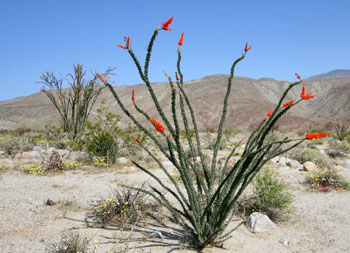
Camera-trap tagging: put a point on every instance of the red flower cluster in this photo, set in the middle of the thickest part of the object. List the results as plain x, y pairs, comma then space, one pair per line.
158, 126
298, 76
127, 40
270, 113
307, 96
316, 135
181, 40
288, 103
137, 140
176, 76
167, 23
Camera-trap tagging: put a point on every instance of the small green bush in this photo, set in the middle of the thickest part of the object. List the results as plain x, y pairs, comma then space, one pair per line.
102, 137
314, 156
270, 196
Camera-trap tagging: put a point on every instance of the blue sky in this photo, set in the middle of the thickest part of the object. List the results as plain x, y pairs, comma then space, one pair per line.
288, 36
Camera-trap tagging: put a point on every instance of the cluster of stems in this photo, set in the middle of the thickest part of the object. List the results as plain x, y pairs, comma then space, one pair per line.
75, 103
204, 199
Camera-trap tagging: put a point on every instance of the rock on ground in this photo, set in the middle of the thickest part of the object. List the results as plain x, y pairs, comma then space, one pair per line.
258, 222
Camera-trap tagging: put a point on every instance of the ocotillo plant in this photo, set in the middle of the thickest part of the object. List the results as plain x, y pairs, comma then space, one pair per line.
74, 104
204, 202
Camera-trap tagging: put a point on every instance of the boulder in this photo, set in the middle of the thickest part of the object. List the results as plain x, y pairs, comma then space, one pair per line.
258, 222
309, 166
121, 160
293, 164
2, 153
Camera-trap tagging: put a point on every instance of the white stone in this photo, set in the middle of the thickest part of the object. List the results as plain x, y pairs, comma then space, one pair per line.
309, 166
258, 222
122, 160
2, 153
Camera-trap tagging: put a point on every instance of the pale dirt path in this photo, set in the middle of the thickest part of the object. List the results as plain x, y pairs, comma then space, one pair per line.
321, 221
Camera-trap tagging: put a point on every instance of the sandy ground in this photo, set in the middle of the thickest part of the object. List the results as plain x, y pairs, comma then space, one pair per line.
320, 223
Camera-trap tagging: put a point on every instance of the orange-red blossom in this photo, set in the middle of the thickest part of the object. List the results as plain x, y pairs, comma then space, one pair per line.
167, 23
270, 113
104, 80
288, 103
316, 135
158, 126
307, 96
127, 40
296, 74
137, 140
181, 40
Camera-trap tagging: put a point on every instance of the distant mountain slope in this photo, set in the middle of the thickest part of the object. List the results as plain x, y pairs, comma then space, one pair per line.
335, 74
249, 102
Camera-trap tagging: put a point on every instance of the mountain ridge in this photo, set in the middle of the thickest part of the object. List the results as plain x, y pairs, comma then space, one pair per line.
249, 102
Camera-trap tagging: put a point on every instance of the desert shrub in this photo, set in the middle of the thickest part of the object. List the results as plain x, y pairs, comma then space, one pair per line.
327, 179
271, 193
342, 130
315, 156
124, 208
270, 196
342, 146
69, 243
102, 137
55, 162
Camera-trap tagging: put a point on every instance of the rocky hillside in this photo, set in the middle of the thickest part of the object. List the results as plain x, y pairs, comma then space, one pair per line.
249, 102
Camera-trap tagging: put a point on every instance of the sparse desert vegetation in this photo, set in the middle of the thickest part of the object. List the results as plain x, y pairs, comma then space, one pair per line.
195, 185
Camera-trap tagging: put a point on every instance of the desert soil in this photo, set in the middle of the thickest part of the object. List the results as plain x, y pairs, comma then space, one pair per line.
320, 222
